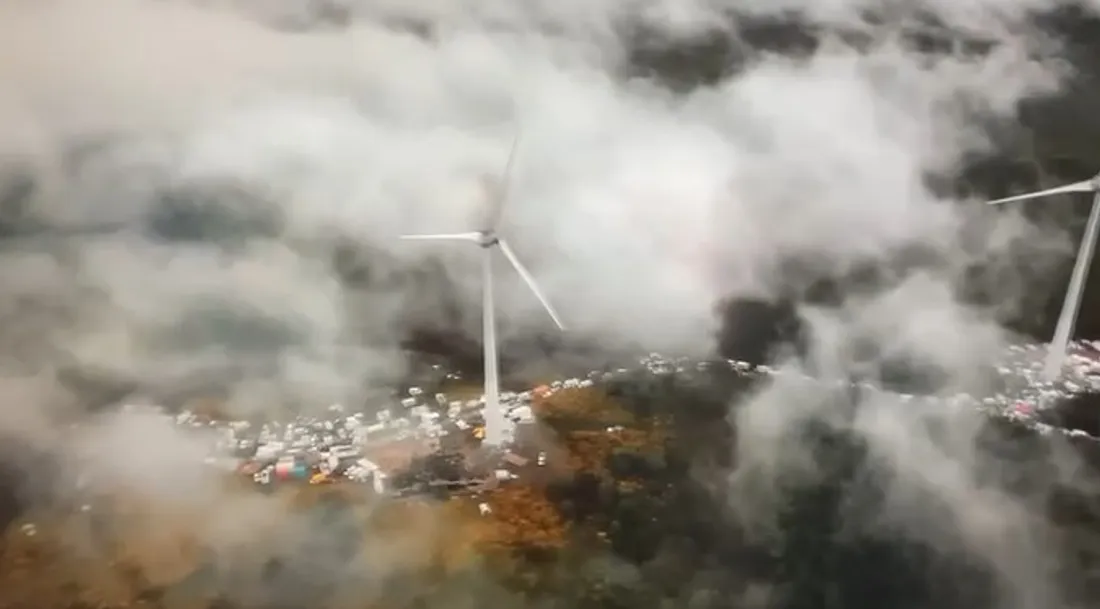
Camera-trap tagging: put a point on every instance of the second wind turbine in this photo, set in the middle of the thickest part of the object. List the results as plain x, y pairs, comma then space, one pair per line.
488, 239
1067, 319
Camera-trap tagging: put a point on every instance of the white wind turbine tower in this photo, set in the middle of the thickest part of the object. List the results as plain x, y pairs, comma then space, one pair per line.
1063, 332
487, 239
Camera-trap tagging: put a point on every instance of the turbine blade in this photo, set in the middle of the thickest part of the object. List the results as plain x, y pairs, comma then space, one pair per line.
530, 281
442, 237
498, 194
1086, 186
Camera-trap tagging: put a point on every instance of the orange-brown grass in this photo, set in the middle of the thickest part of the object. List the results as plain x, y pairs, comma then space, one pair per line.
589, 451
521, 517
587, 406
143, 542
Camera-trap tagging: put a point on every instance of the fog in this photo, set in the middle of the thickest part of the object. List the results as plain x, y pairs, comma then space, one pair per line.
186, 185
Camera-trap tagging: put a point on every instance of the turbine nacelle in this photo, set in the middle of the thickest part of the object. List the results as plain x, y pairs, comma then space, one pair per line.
487, 238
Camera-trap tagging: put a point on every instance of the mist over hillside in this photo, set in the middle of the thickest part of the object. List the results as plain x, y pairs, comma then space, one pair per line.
203, 199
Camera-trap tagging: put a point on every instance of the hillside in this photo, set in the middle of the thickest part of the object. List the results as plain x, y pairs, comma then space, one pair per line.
631, 518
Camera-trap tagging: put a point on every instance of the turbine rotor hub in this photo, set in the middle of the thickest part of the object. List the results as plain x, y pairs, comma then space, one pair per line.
487, 239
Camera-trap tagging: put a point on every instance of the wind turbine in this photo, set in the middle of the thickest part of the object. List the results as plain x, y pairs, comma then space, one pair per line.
1067, 319
488, 239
